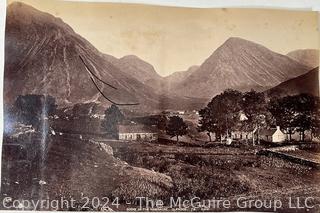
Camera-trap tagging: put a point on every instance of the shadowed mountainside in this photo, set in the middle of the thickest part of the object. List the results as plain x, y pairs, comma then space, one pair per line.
42, 57
306, 83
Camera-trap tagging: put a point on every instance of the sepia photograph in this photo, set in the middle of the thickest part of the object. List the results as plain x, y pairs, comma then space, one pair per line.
135, 107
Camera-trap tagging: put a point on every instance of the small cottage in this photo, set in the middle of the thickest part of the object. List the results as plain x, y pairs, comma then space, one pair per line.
137, 133
272, 135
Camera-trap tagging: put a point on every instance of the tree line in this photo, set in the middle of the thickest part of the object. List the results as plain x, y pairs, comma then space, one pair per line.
227, 112
233, 110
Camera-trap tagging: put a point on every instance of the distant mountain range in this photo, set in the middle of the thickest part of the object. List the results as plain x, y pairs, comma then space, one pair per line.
42, 57
308, 57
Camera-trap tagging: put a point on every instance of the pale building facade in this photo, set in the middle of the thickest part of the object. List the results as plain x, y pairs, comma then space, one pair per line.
278, 136
137, 133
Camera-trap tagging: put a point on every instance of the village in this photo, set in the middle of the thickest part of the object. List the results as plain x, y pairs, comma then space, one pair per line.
214, 140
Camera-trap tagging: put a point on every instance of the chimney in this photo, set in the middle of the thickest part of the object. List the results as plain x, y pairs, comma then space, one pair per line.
278, 128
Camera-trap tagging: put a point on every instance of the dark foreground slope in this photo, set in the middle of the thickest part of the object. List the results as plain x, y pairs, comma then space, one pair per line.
307, 83
68, 167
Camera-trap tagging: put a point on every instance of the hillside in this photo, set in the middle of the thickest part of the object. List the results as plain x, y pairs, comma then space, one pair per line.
75, 168
239, 64
306, 83
136, 68
178, 77
42, 57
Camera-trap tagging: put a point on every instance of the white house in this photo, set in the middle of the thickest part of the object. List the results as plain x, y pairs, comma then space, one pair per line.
273, 135
137, 133
278, 136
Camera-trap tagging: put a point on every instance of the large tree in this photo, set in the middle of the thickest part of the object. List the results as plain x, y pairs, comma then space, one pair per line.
283, 111
176, 127
221, 115
113, 116
207, 123
254, 107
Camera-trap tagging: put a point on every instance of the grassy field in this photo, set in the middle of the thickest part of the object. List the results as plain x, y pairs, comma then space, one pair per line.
74, 167
223, 171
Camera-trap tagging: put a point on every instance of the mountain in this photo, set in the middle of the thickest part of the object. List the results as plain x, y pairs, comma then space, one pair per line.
166, 85
180, 76
42, 57
308, 57
306, 83
138, 69
239, 64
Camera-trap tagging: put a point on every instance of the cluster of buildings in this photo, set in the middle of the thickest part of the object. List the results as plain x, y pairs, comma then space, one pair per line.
138, 132
275, 135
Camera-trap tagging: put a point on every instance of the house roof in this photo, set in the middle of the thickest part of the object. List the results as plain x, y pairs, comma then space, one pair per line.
137, 129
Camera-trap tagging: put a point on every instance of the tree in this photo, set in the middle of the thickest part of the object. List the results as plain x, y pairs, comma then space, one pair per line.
283, 111
254, 107
113, 116
307, 113
296, 113
206, 122
315, 121
162, 122
176, 127
34, 109
221, 115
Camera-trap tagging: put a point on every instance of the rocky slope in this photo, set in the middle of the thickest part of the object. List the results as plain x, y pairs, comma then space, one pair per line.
308, 57
178, 77
42, 57
239, 64
138, 68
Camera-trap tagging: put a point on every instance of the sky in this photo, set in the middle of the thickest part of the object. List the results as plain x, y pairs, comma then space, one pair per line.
173, 39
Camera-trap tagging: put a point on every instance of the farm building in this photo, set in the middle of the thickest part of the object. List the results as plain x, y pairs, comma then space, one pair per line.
137, 132
273, 135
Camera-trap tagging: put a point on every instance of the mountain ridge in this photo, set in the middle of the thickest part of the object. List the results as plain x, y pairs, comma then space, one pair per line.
308, 57
240, 64
42, 56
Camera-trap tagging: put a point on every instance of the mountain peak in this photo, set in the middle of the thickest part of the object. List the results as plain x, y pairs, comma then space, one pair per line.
19, 9
138, 68
235, 39
240, 64
239, 43
133, 57
17, 5
24, 14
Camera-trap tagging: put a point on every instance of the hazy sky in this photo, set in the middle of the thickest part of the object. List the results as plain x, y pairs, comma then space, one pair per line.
173, 39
